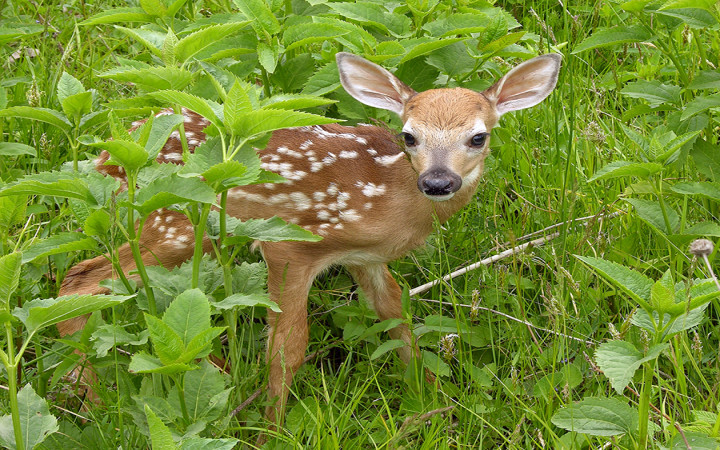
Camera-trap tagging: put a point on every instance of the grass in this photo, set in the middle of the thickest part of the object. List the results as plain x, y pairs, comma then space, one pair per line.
529, 325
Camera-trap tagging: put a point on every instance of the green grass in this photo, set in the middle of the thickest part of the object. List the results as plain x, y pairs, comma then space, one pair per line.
528, 351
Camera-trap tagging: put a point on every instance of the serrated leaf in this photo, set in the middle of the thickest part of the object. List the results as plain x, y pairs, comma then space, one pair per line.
160, 131
690, 13
118, 15
163, 192
200, 388
67, 86
16, 149
598, 417
268, 56
237, 102
9, 277
428, 46
151, 39
144, 363
671, 326
77, 105
374, 14
323, 81
620, 359
259, 15
124, 153
49, 116
153, 78
457, 23
621, 34
387, 346
110, 335
37, 314
188, 315
707, 159
295, 101
58, 243
256, 122
226, 175
206, 108
655, 92
705, 79
298, 35
652, 213
55, 184
629, 281
700, 104
36, 421
704, 188
160, 434
199, 346
198, 41
167, 343
197, 443
435, 364
153, 7
12, 211
246, 301
618, 169
272, 230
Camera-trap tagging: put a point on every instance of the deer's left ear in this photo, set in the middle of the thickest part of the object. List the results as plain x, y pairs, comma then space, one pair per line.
526, 85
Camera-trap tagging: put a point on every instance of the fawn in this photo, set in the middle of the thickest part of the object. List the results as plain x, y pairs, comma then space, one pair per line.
371, 199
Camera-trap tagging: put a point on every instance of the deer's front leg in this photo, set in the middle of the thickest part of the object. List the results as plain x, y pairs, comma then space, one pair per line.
289, 279
386, 299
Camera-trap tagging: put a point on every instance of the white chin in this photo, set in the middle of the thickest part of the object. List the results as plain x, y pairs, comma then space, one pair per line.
439, 198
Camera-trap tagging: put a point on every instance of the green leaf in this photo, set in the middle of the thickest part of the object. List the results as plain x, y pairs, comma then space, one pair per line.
295, 101
707, 159
651, 212
153, 78
387, 346
200, 388
704, 188
697, 105
188, 315
62, 242
16, 32
9, 277
118, 15
12, 211
160, 435
245, 301
54, 184
206, 108
50, 116
690, 12
621, 34
111, 335
68, 86
237, 102
618, 169
124, 153
457, 23
662, 296
428, 46
167, 344
379, 327
226, 175
633, 283
598, 417
271, 230
323, 81
259, 15
256, 122
160, 131
16, 149
705, 79
37, 314
671, 326
36, 421
200, 345
77, 105
153, 7
620, 359
376, 15
298, 35
435, 364
143, 363
268, 56
198, 41
163, 192
655, 92
152, 40
197, 443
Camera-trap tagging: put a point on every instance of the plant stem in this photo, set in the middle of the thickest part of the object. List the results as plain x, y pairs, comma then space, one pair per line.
133, 240
180, 384
644, 406
199, 235
12, 387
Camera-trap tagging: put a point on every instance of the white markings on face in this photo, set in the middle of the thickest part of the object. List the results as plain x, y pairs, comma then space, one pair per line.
472, 177
319, 196
478, 127
388, 160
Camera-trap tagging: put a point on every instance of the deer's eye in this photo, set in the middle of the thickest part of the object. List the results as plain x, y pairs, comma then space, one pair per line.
409, 139
478, 140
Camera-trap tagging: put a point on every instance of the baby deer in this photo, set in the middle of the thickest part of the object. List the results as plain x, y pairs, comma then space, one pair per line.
371, 199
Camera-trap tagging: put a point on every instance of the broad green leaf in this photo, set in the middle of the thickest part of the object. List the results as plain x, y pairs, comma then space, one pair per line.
704, 188
379, 327
143, 363
670, 325
652, 213
124, 153
707, 159
655, 92
194, 43
429, 46
9, 277
323, 81
167, 343
662, 296
621, 34
298, 35
153, 78
698, 441
245, 301
453, 60
111, 335
206, 108
259, 15
118, 15
153, 7
160, 435
435, 364
66, 241
68, 86
162, 128
16, 149
188, 315
226, 175
200, 387
295, 101
699, 104
18, 31
163, 192
618, 169
268, 55
54, 184
36, 421
237, 102
690, 12
77, 105
598, 417
569, 376
272, 230
387, 346
12, 211
37, 314
376, 15
497, 45
197, 443
620, 359
264, 120
200, 345
151, 39
93, 119
50, 116
705, 79
629, 281
457, 23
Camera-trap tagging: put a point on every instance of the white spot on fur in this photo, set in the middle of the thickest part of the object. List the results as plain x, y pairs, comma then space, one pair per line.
183, 238
348, 154
302, 201
173, 156
339, 226
332, 189
169, 219
305, 145
279, 198
334, 220
323, 215
316, 166
371, 189
372, 151
329, 159
319, 196
388, 160
350, 215
367, 205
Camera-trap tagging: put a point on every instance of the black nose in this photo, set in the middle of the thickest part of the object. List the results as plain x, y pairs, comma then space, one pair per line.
438, 182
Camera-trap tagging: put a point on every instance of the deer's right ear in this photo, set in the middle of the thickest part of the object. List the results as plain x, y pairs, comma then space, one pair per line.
371, 84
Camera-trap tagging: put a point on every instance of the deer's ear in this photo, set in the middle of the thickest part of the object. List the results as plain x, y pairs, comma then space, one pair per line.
526, 85
371, 84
